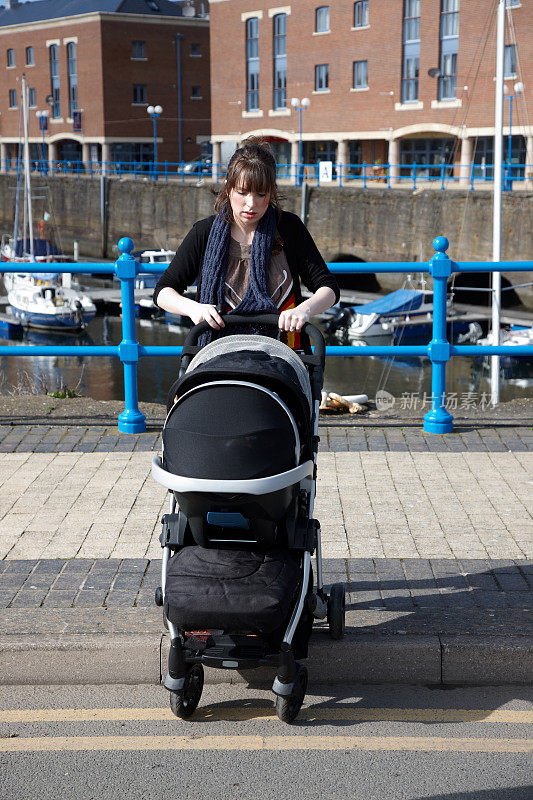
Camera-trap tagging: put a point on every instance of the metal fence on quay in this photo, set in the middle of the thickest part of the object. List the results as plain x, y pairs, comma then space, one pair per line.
363, 174
438, 350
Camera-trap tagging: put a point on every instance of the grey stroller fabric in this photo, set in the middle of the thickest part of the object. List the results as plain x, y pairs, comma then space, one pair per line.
235, 344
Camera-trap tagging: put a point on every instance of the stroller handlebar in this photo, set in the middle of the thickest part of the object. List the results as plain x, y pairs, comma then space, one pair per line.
315, 335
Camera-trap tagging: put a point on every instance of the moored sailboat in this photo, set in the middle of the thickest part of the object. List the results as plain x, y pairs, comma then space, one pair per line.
48, 300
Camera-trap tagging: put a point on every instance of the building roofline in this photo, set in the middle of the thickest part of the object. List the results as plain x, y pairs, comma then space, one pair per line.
108, 16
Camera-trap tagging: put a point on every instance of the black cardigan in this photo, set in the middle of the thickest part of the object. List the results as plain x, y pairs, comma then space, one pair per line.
303, 258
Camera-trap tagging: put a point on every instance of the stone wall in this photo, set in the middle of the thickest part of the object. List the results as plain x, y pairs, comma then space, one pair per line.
372, 225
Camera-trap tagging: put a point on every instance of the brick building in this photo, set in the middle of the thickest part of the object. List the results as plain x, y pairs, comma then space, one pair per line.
396, 81
109, 60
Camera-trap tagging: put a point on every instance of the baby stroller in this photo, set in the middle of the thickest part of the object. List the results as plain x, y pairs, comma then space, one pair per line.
239, 458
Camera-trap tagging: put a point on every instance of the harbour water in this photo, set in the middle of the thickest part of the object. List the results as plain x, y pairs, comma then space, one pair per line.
407, 380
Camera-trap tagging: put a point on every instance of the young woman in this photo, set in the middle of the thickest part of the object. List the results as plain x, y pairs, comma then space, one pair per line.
250, 256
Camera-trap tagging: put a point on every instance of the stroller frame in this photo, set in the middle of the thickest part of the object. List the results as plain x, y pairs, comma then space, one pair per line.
184, 678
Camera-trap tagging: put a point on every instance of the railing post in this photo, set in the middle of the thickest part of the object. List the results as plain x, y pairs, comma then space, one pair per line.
438, 420
130, 420
364, 174
472, 174
442, 175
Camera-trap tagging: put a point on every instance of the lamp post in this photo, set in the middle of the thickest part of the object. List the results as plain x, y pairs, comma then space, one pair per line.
42, 116
518, 88
300, 106
155, 112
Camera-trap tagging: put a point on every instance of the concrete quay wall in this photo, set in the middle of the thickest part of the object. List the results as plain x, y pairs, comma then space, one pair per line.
373, 225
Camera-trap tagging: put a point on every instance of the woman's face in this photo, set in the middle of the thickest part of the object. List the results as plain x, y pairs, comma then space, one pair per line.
247, 206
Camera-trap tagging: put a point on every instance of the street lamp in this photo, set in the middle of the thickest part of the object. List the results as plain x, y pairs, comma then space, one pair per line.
42, 116
155, 112
518, 88
300, 106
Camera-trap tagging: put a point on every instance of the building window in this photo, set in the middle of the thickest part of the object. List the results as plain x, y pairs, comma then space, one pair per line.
195, 93
322, 19
54, 80
280, 61
72, 79
31, 98
29, 57
411, 51
410, 79
509, 63
360, 75
252, 64
449, 19
411, 21
139, 93
360, 14
138, 49
449, 47
10, 58
429, 155
12, 98
195, 49
322, 78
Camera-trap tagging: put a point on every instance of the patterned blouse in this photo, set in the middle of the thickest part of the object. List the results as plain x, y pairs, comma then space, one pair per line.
280, 283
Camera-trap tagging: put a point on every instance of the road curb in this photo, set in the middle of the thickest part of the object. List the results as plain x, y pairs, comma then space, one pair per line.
360, 658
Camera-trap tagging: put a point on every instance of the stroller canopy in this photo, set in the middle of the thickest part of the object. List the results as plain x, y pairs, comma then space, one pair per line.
241, 411
255, 344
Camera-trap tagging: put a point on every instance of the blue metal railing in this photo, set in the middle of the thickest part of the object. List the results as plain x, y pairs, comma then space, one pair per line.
438, 350
361, 173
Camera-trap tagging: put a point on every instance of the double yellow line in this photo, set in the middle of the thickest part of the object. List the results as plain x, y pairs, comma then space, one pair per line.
329, 743
231, 714
290, 741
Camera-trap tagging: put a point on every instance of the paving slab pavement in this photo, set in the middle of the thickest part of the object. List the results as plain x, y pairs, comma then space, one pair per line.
432, 535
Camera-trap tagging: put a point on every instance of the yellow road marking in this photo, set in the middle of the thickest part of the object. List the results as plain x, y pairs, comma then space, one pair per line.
327, 743
309, 714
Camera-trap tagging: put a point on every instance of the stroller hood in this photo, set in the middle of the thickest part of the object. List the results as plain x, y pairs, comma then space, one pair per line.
255, 344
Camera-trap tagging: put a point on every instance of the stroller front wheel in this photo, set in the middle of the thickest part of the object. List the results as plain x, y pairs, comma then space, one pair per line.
288, 707
183, 703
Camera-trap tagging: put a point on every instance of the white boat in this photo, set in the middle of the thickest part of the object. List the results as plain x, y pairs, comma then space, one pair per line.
515, 336
39, 300
146, 280
405, 312
46, 300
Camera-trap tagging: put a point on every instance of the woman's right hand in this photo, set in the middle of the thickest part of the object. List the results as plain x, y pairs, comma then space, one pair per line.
204, 312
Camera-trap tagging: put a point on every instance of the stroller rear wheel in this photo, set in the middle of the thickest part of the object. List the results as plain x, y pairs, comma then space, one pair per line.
183, 703
288, 707
336, 611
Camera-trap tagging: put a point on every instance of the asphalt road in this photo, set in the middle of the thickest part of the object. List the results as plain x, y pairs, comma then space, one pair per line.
364, 743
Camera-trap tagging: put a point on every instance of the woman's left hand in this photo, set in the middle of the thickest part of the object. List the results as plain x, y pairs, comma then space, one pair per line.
293, 319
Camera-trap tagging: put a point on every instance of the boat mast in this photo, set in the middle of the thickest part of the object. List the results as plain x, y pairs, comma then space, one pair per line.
16, 222
497, 203
27, 179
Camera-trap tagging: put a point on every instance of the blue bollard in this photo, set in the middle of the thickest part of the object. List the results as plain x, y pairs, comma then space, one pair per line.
438, 420
130, 420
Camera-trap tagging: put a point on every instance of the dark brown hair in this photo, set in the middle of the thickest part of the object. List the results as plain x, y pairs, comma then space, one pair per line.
252, 167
